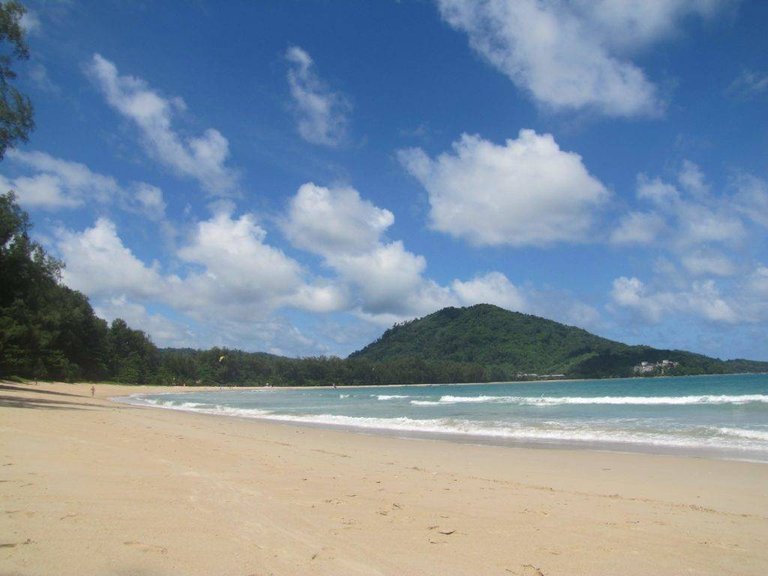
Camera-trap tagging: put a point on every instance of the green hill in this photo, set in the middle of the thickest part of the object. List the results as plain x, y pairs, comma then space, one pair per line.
510, 344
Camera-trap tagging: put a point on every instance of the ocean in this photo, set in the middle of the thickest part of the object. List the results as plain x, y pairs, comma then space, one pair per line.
707, 416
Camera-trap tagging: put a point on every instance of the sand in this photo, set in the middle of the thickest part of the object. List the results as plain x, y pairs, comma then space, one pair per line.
91, 487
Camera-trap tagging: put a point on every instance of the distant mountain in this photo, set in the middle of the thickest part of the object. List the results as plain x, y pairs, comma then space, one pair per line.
510, 344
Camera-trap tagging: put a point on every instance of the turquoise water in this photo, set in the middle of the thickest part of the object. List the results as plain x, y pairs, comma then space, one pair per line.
721, 416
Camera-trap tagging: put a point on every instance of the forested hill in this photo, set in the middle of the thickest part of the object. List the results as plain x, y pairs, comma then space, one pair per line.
508, 344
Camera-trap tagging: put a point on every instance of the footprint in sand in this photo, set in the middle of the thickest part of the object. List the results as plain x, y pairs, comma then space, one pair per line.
147, 547
14, 544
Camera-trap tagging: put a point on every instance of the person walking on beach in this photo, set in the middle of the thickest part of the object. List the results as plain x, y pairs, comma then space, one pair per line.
93, 391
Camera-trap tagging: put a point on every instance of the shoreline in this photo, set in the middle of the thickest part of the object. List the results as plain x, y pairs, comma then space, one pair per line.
433, 429
90, 486
610, 447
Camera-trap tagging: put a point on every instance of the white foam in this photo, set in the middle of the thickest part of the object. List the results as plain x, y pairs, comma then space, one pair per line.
747, 434
603, 400
390, 396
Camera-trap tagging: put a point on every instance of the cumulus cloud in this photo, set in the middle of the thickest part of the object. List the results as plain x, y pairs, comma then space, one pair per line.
203, 158
389, 279
386, 283
239, 272
229, 288
229, 274
492, 288
574, 55
99, 264
327, 221
321, 113
525, 192
383, 280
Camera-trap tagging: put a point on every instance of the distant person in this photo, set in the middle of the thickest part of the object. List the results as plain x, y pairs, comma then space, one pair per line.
93, 391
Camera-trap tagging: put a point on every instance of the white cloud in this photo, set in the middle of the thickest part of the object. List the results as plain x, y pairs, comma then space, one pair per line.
704, 262
149, 200
689, 220
713, 235
202, 158
41, 191
656, 191
633, 24
387, 278
240, 273
751, 198
59, 183
230, 287
332, 220
705, 299
755, 296
552, 55
163, 331
631, 293
526, 192
321, 114
692, 180
749, 84
56, 184
638, 228
709, 224
99, 264
492, 288
382, 281
323, 296
700, 299
574, 55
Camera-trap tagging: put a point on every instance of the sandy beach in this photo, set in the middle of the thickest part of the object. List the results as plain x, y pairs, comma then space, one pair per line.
90, 486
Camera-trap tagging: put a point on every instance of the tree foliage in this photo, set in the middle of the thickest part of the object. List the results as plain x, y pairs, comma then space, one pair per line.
509, 345
16, 111
49, 331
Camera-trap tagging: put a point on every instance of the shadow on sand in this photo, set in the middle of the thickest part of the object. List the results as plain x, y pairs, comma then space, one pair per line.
41, 402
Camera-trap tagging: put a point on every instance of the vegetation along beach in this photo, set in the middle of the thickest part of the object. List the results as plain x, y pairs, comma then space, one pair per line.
440, 287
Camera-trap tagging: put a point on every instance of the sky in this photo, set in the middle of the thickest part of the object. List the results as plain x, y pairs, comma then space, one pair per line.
296, 177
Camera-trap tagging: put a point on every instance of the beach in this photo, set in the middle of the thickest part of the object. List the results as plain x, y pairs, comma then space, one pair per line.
90, 486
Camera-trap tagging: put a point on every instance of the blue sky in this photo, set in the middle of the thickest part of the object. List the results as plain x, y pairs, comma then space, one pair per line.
294, 177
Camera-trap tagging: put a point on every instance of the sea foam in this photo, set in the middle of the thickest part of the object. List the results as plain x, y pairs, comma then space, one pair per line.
605, 400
